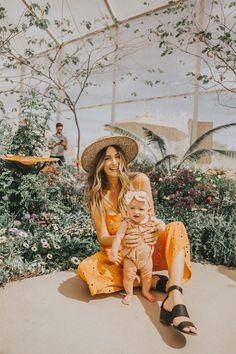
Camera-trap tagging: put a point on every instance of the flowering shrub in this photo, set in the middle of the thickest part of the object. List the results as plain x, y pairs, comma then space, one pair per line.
45, 224
188, 190
206, 204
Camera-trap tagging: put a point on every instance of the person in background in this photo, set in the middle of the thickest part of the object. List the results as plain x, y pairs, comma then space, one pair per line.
58, 144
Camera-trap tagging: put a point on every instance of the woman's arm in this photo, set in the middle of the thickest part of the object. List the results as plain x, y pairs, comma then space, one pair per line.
104, 238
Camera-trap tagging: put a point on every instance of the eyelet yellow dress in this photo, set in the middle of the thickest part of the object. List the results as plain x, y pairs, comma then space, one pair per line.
103, 277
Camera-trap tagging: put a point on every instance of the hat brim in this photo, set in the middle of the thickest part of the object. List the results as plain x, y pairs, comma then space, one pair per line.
128, 145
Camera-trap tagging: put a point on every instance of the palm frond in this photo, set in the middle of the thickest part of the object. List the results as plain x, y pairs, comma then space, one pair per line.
196, 155
118, 130
114, 128
228, 153
166, 158
154, 138
205, 136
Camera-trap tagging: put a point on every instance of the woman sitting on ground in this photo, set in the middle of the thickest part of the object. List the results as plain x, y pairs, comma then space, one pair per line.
108, 180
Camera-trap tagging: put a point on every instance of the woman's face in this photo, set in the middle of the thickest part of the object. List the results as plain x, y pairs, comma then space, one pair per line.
111, 162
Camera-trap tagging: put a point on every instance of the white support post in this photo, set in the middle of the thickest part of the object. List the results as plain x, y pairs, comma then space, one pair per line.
113, 102
194, 127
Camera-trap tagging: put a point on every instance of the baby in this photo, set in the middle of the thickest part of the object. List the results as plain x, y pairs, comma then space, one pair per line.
139, 257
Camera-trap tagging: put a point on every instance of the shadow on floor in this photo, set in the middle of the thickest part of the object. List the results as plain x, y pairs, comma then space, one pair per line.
76, 289
170, 336
229, 272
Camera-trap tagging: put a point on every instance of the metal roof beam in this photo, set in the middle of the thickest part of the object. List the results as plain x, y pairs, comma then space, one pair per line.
105, 28
108, 6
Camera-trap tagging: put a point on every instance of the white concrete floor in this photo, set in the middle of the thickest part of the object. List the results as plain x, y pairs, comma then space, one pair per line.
55, 314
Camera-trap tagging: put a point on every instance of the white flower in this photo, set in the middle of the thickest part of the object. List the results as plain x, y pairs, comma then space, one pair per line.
5, 198
160, 179
75, 260
166, 198
34, 248
45, 243
57, 247
3, 239
213, 185
1, 262
49, 256
26, 245
16, 223
198, 179
27, 216
14, 230
22, 234
2, 231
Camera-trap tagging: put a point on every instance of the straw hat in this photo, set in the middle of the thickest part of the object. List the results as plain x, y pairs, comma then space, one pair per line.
128, 146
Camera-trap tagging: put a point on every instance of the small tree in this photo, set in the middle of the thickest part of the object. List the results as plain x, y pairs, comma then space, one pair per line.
179, 29
61, 70
30, 137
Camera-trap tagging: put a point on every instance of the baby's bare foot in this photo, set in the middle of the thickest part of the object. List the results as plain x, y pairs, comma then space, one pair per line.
127, 300
149, 296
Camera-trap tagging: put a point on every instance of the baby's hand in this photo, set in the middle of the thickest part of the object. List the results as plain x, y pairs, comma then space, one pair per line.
161, 225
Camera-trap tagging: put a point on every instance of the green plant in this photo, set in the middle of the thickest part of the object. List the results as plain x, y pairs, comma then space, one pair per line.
213, 238
29, 139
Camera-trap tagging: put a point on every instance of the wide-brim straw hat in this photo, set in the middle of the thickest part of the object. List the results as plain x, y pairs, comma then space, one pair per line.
127, 145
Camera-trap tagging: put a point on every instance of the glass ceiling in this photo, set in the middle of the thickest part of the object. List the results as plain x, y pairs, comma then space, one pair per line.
170, 102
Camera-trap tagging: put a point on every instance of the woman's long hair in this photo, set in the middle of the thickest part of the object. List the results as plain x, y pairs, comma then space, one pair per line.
97, 182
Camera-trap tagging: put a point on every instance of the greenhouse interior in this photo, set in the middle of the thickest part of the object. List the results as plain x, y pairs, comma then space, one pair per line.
75, 72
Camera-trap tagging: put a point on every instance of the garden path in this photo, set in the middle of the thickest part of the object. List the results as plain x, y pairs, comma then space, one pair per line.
55, 314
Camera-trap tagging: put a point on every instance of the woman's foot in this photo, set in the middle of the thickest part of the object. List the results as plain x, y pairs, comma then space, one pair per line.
149, 296
176, 298
127, 300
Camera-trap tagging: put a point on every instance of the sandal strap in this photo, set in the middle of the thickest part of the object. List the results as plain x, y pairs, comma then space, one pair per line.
179, 310
183, 325
175, 287
161, 284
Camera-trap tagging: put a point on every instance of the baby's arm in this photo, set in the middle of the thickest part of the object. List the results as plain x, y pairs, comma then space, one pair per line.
160, 225
117, 241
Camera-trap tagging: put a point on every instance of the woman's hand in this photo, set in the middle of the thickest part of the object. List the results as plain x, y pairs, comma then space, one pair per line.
118, 261
151, 236
131, 239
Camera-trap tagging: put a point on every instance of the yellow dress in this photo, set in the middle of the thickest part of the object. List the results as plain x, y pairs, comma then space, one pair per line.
103, 277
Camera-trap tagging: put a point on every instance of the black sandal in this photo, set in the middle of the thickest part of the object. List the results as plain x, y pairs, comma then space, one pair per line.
161, 283
167, 317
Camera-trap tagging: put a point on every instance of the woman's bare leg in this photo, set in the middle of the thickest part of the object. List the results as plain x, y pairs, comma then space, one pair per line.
175, 297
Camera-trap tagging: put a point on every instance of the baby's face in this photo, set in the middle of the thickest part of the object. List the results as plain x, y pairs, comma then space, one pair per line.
137, 210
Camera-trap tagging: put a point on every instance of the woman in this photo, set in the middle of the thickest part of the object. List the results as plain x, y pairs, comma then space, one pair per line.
106, 162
